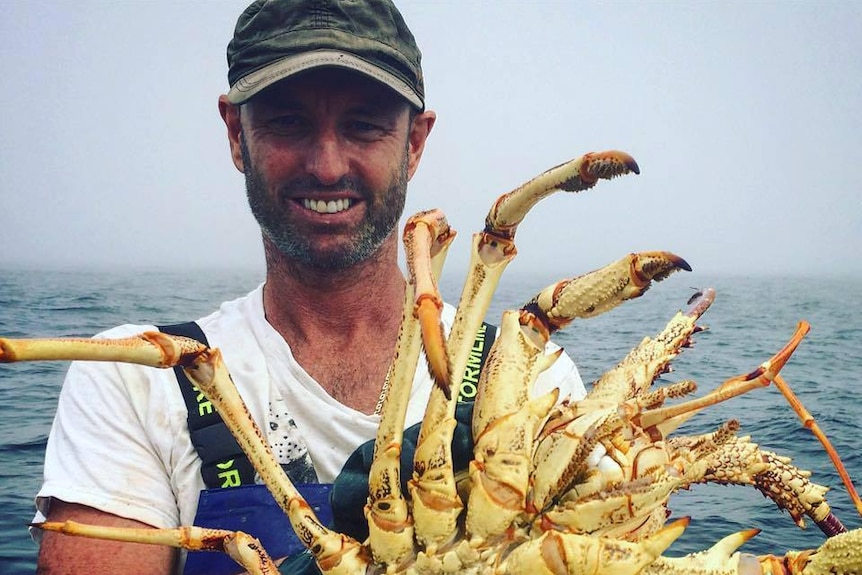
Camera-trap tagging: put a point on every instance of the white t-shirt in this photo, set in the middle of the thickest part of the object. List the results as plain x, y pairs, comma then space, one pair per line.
120, 441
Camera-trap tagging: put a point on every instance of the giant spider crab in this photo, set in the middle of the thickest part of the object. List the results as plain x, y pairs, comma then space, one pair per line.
555, 486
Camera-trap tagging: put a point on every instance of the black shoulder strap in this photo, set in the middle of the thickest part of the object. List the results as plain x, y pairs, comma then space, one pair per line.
224, 463
478, 354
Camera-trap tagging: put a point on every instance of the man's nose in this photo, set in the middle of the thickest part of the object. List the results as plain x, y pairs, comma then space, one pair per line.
325, 158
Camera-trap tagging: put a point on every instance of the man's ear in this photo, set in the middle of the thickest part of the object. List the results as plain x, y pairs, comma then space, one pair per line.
419, 130
230, 114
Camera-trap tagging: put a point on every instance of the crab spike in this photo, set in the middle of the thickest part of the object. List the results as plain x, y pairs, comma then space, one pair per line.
808, 422
727, 545
242, 548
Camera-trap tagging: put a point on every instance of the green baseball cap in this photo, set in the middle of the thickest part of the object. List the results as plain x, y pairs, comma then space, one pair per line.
275, 39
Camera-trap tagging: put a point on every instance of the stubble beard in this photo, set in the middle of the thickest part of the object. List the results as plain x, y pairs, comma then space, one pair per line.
381, 217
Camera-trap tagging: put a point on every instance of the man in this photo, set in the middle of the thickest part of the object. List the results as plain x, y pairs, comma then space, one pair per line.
326, 118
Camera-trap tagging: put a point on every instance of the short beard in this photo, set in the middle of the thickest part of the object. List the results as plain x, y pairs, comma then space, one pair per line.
382, 215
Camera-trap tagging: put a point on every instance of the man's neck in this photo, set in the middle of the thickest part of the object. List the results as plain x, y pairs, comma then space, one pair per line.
307, 303
341, 326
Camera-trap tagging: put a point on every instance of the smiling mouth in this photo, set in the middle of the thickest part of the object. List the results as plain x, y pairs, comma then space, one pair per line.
327, 206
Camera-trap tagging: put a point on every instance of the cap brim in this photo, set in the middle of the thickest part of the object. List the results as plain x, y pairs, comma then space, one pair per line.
249, 85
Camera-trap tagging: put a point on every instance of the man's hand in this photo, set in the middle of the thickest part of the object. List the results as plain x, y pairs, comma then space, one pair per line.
66, 555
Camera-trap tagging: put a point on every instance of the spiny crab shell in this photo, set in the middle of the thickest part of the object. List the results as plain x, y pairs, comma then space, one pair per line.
556, 485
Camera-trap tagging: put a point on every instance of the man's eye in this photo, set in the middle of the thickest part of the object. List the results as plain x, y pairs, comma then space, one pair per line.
364, 127
286, 122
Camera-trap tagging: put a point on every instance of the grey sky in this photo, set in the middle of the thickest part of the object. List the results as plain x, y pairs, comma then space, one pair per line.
746, 120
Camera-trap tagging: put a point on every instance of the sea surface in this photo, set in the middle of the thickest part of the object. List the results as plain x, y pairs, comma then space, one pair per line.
751, 319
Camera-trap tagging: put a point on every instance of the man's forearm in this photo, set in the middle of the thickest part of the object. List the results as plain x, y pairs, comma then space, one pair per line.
66, 555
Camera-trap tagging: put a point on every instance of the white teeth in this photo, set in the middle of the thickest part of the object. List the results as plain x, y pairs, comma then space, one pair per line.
324, 207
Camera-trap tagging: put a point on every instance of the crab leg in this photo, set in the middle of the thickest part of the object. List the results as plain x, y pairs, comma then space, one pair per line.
555, 553
153, 349
241, 547
435, 498
780, 481
808, 421
719, 457
505, 422
426, 240
333, 552
573, 176
427, 236
560, 456
666, 419
501, 470
741, 462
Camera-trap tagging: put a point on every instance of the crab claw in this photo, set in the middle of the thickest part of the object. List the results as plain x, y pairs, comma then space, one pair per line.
573, 176
601, 165
428, 311
655, 266
601, 290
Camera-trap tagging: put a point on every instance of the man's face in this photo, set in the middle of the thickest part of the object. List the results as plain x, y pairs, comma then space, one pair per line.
325, 157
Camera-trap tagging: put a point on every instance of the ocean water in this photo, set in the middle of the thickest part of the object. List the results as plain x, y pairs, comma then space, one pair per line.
750, 320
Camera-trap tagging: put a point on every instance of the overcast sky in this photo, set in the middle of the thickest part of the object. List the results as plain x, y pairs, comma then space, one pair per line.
745, 117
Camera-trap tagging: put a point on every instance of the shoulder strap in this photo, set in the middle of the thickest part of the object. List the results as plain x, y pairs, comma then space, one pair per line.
478, 354
224, 463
